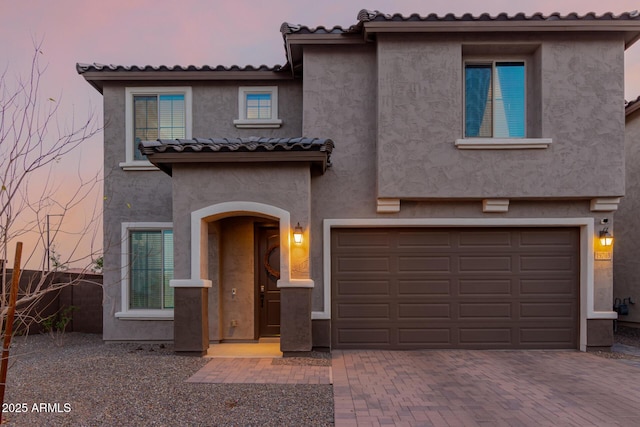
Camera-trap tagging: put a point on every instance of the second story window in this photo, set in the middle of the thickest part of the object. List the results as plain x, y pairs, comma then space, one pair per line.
154, 113
257, 107
158, 116
495, 99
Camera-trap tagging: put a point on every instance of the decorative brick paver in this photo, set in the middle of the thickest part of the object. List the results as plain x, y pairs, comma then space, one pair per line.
259, 371
484, 388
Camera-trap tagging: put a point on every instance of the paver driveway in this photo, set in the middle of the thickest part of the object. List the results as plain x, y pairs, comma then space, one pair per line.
484, 388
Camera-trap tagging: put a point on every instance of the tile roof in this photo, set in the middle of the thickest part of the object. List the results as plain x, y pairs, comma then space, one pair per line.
368, 21
163, 152
236, 144
83, 68
365, 16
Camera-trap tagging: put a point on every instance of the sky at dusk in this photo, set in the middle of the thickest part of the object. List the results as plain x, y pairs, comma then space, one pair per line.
201, 32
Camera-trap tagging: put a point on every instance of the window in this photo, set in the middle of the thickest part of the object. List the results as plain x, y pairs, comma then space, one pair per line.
495, 100
150, 269
153, 113
147, 269
258, 107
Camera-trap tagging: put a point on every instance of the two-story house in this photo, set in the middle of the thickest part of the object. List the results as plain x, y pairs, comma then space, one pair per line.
407, 182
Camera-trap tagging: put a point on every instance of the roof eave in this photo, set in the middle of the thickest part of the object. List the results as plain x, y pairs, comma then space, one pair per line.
97, 79
630, 29
165, 161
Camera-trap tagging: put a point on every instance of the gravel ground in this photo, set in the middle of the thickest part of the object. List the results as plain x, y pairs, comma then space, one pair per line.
96, 384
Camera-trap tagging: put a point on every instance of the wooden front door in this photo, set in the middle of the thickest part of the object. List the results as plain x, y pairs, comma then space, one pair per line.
267, 274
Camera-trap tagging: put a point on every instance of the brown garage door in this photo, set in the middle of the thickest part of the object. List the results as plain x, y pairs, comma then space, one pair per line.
455, 288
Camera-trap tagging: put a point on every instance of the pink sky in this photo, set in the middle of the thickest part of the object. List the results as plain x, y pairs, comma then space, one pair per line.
203, 32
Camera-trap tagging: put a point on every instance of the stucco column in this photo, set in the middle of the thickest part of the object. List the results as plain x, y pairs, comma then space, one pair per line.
295, 293
190, 317
295, 321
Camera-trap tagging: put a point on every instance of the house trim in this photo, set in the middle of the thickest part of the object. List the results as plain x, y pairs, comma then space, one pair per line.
502, 143
587, 236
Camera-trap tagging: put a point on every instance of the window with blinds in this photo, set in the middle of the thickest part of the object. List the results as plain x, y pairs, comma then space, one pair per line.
495, 100
158, 116
151, 269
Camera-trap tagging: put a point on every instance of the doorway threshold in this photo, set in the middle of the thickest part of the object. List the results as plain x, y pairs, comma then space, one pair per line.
266, 348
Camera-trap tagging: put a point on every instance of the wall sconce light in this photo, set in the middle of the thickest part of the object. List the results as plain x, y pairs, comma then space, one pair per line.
606, 239
297, 234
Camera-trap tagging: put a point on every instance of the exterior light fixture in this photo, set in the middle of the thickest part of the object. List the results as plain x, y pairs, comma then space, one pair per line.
297, 234
606, 239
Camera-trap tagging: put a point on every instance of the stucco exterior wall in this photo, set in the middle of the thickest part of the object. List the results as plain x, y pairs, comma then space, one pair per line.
626, 274
215, 107
129, 196
420, 116
339, 103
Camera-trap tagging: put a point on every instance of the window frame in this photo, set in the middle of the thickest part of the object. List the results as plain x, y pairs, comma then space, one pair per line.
243, 122
125, 312
130, 162
493, 63
499, 143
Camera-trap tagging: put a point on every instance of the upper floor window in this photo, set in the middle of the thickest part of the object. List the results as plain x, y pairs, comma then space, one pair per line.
257, 107
495, 99
153, 113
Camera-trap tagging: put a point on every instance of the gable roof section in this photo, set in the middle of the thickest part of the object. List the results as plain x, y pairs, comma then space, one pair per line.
372, 22
163, 153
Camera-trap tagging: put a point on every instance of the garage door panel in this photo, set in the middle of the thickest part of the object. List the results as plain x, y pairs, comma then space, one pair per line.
557, 287
543, 264
424, 287
456, 288
547, 310
485, 239
424, 264
549, 239
486, 337
359, 264
424, 337
364, 311
362, 287
351, 239
484, 264
494, 287
538, 336
364, 336
427, 239
485, 311
423, 311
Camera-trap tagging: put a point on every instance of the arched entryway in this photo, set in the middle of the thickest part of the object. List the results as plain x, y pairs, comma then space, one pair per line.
244, 252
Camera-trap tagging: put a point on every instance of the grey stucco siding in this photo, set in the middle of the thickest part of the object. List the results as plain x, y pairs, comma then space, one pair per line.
132, 197
420, 116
